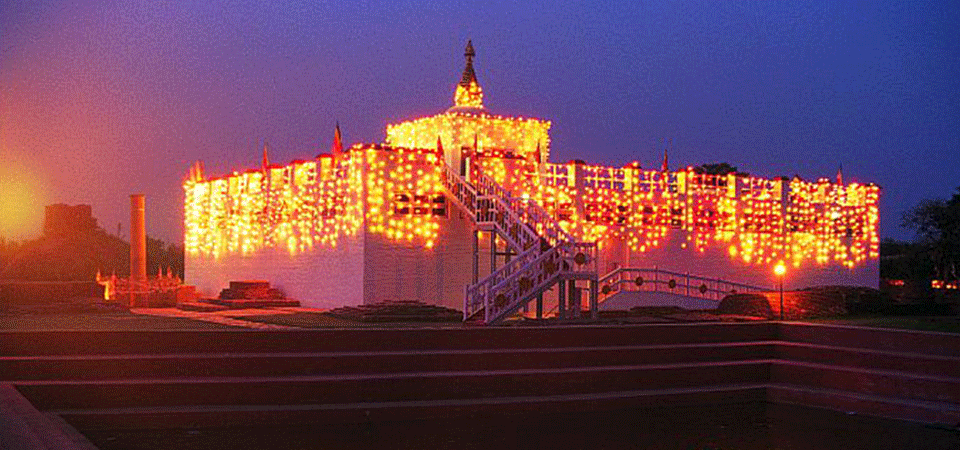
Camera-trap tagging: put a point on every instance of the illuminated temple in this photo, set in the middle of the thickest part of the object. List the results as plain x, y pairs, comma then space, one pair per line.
465, 209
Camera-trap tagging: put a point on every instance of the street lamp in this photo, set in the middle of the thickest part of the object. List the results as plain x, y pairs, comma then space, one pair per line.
780, 270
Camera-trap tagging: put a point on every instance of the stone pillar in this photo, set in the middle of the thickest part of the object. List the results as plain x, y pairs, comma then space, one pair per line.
138, 249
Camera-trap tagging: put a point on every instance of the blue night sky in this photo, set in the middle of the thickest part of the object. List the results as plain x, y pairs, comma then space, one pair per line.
102, 99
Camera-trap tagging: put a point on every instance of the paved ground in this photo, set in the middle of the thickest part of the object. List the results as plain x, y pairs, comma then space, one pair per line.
743, 428
229, 317
105, 321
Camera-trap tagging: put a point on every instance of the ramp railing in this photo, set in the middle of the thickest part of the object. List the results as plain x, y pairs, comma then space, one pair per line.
632, 279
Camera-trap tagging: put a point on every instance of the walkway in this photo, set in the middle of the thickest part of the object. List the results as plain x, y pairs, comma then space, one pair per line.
228, 317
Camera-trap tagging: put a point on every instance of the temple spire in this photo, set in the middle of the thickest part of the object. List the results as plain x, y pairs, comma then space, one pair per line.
469, 76
468, 93
266, 159
337, 148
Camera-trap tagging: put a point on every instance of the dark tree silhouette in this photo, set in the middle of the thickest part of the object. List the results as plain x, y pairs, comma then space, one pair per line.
717, 169
937, 224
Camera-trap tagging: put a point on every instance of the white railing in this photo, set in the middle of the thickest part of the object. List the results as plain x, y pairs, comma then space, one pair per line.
627, 279
539, 222
545, 251
462, 193
526, 276
489, 212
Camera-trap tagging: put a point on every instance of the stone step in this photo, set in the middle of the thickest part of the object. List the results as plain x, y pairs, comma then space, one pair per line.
225, 416
454, 384
243, 303
905, 341
919, 364
303, 364
296, 364
201, 307
943, 414
885, 383
383, 387
77, 342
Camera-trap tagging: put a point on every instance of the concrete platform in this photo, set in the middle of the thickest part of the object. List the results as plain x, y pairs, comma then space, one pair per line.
624, 300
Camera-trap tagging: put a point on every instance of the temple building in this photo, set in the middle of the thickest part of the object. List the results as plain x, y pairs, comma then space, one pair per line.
464, 209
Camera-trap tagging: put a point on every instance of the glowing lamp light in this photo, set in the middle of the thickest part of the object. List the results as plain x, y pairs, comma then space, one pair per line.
780, 269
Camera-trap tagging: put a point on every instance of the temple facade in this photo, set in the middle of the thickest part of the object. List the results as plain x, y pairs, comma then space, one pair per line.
464, 209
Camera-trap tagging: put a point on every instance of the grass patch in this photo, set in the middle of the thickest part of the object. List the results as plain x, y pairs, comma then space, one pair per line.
944, 324
101, 321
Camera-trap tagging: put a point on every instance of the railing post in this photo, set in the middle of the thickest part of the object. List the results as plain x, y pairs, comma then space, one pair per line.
493, 251
476, 256
562, 299
594, 304
466, 301
575, 300
540, 306
656, 279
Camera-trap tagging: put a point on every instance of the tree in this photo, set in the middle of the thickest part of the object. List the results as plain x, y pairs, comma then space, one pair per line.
937, 224
717, 169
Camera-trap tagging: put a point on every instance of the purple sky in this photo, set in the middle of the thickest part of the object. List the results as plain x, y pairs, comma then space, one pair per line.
101, 99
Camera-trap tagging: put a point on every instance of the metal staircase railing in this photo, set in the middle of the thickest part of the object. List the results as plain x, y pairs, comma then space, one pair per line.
545, 252
631, 279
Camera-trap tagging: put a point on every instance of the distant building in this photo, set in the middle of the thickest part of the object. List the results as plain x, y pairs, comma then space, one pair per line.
62, 219
464, 209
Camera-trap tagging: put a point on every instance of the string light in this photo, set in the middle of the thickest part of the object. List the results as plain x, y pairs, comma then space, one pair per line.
395, 190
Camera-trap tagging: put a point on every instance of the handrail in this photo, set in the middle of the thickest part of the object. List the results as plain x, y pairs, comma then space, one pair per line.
545, 251
527, 208
462, 192
631, 279
485, 210
525, 282
479, 292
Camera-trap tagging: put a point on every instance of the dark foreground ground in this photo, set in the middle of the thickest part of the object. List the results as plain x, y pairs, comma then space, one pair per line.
750, 427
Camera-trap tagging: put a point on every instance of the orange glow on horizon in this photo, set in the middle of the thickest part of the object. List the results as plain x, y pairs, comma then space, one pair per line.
22, 201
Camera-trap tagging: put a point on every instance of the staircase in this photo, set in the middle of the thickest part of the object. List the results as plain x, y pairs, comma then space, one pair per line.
241, 379
546, 254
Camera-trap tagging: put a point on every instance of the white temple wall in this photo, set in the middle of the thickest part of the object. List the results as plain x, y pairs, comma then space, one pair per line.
400, 270
319, 278
715, 262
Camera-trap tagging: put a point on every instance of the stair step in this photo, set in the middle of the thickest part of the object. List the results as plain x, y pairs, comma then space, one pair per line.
364, 412
242, 303
917, 363
881, 339
201, 307
885, 383
78, 342
383, 387
944, 414
299, 364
